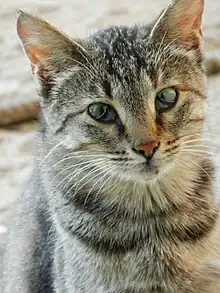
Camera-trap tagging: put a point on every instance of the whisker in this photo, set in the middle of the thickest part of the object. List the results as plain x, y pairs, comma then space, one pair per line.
196, 164
84, 168
76, 165
95, 176
198, 140
50, 152
75, 157
196, 147
112, 177
193, 134
74, 174
103, 177
200, 147
194, 139
87, 151
87, 175
183, 162
109, 179
195, 151
198, 155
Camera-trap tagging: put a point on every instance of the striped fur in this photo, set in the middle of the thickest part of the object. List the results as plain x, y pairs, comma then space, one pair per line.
96, 216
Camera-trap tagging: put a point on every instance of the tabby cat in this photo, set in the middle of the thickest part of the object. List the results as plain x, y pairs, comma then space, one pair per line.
122, 198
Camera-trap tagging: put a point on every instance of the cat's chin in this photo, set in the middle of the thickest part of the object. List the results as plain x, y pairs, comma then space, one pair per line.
143, 173
148, 171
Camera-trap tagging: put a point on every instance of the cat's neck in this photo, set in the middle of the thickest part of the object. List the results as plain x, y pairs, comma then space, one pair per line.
125, 214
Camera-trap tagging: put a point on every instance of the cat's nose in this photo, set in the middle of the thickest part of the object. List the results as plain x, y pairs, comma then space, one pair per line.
148, 149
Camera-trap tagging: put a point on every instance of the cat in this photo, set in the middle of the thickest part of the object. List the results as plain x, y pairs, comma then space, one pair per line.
122, 197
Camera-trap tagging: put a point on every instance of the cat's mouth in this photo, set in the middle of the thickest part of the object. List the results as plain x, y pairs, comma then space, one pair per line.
149, 166
146, 167
145, 171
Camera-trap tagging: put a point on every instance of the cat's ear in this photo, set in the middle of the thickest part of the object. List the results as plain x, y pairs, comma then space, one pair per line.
49, 50
181, 21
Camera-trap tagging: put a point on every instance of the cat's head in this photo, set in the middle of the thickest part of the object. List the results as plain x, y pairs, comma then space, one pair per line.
125, 101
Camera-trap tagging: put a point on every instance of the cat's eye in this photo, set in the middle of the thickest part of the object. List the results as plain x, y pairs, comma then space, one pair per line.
166, 99
103, 113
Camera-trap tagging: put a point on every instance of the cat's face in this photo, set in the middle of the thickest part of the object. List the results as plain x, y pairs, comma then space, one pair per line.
153, 95
127, 102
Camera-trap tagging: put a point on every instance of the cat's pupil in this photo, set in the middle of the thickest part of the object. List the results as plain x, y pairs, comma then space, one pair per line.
166, 99
102, 112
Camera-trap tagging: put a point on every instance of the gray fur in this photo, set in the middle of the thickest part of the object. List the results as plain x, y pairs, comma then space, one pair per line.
95, 218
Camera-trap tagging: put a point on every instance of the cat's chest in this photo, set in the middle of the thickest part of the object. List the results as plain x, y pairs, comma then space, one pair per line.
142, 271
152, 269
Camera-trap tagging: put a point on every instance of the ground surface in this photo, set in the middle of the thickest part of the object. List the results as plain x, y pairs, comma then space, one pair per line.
78, 18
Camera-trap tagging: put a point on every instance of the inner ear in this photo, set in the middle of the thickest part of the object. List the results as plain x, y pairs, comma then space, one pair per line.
49, 50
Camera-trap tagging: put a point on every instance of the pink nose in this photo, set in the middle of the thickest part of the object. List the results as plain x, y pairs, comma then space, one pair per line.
148, 149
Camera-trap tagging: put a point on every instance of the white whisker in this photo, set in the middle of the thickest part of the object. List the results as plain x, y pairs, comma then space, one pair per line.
108, 180
71, 157
91, 179
76, 165
198, 165
49, 153
74, 174
84, 177
198, 140
95, 183
80, 156
196, 152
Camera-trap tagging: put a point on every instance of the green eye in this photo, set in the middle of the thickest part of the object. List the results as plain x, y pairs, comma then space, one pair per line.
166, 99
102, 113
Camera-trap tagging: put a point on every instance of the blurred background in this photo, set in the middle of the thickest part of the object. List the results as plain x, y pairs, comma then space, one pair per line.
17, 89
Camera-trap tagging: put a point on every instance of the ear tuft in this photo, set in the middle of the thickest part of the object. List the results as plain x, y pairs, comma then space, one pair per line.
182, 21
